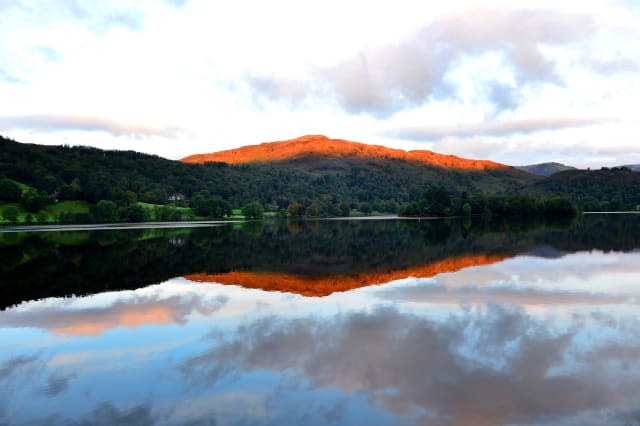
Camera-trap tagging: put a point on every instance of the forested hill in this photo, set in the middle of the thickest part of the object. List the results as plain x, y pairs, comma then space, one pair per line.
545, 169
607, 189
92, 174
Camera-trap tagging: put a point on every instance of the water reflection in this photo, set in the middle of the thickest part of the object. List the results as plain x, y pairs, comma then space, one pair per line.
319, 258
543, 329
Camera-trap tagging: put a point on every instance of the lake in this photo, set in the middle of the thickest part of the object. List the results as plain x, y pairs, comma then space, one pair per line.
372, 322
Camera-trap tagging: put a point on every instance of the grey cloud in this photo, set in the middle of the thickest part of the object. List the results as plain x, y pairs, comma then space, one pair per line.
56, 384
54, 123
613, 66
503, 96
495, 128
107, 414
384, 80
457, 370
438, 293
272, 87
13, 364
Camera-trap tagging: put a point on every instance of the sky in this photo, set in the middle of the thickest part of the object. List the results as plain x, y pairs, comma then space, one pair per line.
515, 82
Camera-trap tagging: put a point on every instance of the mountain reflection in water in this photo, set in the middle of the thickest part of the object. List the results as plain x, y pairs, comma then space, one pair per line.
483, 324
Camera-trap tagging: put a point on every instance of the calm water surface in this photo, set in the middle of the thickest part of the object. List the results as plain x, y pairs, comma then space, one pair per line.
324, 322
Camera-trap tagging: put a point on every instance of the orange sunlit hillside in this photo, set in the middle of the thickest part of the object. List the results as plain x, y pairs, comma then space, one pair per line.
321, 145
324, 286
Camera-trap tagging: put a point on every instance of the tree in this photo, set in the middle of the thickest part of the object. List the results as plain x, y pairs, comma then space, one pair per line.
33, 200
133, 213
345, 211
365, 208
9, 191
207, 205
438, 200
312, 210
466, 209
11, 214
295, 209
106, 211
253, 210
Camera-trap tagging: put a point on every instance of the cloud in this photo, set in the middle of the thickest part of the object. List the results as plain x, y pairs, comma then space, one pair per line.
9, 78
56, 123
56, 384
178, 4
496, 128
492, 366
381, 81
472, 295
49, 54
619, 64
271, 87
131, 313
107, 414
10, 366
94, 16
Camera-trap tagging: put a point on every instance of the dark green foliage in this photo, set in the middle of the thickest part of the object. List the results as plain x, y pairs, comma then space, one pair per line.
614, 189
133, 213
253, 210
106, 211
365, 208
168, 214
209, 205
11, 214
34, 200
91, 174
437, 201
344, 209
313, 210
332, 185
434, 203
9, 191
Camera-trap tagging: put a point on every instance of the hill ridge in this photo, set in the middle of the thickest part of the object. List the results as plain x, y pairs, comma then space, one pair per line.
322, 145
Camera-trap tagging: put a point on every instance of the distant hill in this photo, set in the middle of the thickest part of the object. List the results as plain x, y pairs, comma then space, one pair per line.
318, 145
545, 169
613, 189
633, 167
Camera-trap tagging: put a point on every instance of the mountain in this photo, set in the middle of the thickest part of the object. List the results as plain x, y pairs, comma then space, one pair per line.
309, 170
319, 286
545, 169
318, 145
384, 176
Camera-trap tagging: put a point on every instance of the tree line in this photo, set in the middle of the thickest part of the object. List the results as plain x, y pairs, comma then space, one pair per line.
437, 201
302, 187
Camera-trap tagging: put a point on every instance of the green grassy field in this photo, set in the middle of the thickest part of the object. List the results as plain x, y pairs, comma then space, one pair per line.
51, 212
48, 214
23, 187
153, 211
